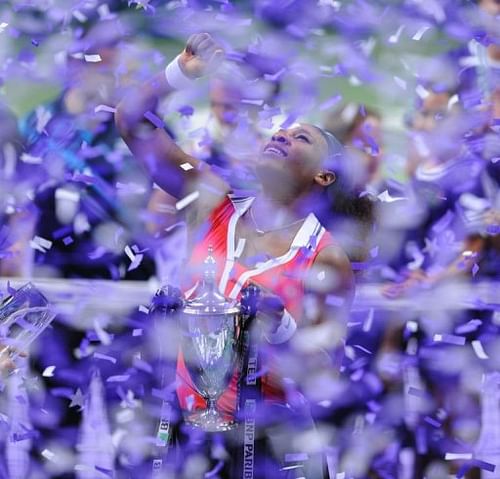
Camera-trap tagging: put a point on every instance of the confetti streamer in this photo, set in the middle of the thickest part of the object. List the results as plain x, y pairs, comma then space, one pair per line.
449, 339
95, 447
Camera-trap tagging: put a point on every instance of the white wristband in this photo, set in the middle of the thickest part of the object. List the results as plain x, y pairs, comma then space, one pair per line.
285, 330
176, 77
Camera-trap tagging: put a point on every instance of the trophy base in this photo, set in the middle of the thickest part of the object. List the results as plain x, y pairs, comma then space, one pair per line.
210, 421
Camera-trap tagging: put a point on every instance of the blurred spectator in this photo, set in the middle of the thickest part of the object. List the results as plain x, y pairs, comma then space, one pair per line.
80, 200
17, 215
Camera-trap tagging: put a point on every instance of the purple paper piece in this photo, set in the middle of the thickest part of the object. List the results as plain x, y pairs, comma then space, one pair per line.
483, 465
468, 327
493, 229
62, 392
118, 378
449, 339
289, 121
417, 392
154, 119
86, 179
143, 365
433, 422
330, 103
68, 240
108, 472
78, 399
475, 269
29, 434
186, 110
215, 471
421, 441
361, 348
64, 231
105, 357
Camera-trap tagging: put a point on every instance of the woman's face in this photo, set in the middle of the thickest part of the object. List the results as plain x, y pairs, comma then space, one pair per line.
490, 6
290, 161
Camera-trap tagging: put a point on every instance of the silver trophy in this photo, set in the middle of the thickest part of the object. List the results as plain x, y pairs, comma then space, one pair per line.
211, 330
24, 315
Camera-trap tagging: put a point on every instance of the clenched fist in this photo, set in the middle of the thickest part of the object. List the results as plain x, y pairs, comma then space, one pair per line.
202, 55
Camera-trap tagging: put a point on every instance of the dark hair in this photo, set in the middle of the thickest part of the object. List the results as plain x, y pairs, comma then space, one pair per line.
342, 200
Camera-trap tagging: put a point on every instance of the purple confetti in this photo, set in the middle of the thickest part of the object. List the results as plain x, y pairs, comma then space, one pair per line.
155, 120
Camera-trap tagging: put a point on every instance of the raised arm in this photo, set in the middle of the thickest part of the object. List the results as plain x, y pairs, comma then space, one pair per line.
178, 173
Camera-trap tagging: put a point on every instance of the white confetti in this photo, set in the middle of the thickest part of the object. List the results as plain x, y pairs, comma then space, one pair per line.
47, 454
420, 32
385, 197
187, 166
368, 322
400, 82
421, 92
40, 244
412, 326
479, 350
453, 456
395, 38
32, 160
79, 16
187, 200
252, 102
103, 335
106, 108
136, 262
129, 253
48, 372
354, 80
96, 58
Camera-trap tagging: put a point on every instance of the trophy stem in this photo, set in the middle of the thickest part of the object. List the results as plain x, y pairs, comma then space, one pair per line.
211, 420
212, 405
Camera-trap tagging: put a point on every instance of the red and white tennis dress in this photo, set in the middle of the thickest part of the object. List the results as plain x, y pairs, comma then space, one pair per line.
283, 276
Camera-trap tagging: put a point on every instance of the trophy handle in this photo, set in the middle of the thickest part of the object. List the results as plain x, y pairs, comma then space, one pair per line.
250, 297
168, 299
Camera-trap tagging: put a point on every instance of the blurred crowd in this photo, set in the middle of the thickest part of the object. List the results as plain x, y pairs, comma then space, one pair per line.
416, 206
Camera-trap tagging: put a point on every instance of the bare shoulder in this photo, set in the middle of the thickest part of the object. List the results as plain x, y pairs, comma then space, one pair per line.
333, 269
334, 256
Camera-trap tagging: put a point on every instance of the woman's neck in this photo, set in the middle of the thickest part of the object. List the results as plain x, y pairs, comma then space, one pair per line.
271, 214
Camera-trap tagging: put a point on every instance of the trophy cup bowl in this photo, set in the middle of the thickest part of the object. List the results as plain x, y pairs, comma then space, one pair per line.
211, 330
210, 350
